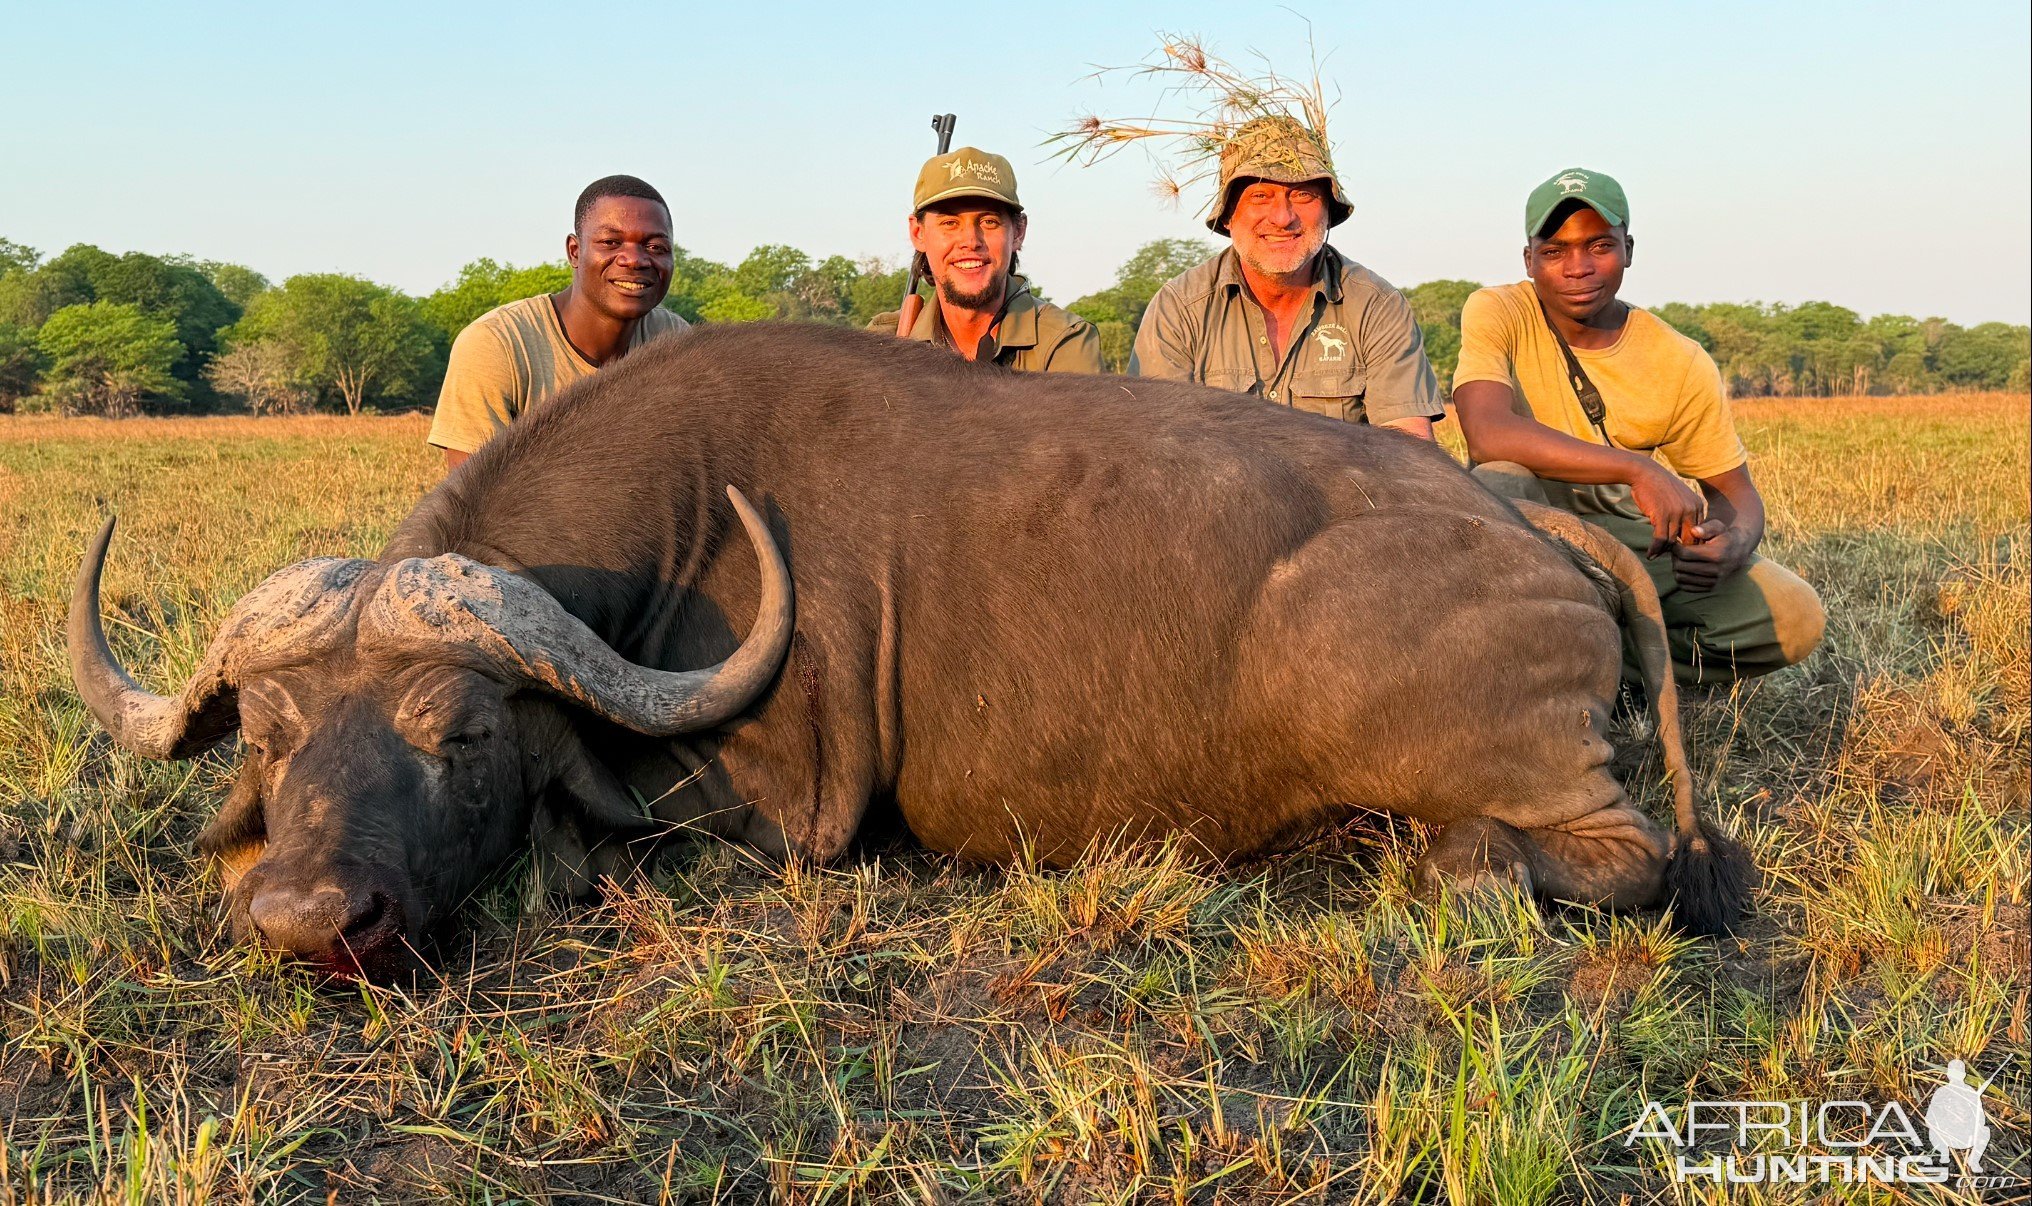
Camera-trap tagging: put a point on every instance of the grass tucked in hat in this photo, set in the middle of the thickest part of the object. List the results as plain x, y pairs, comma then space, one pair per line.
1261, 126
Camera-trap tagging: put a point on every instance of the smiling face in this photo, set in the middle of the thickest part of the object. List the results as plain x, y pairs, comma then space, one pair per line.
970, 244
1577, 268
1278, 228
622, 256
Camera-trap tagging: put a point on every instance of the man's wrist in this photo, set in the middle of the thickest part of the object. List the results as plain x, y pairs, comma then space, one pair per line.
1641, 468
1744, 539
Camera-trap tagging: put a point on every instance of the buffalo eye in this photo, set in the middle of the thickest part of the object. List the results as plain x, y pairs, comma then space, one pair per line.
464, 740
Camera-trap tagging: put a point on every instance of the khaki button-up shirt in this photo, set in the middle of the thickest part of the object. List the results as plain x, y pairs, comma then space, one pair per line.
1033, 337
1357, 355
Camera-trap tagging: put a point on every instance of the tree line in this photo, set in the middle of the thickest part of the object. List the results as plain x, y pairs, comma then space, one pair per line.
89, 332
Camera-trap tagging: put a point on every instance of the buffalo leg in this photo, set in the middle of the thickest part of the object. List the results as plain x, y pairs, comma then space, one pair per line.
1612, 856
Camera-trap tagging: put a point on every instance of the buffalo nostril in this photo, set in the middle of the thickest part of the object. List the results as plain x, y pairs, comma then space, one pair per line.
368, 918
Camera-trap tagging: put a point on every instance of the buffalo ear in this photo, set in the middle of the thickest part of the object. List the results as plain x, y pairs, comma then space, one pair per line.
236, 837
584, 821
592, 794
575, 850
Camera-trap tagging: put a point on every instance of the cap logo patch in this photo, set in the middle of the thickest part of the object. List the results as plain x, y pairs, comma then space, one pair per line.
975, 168
1572, 182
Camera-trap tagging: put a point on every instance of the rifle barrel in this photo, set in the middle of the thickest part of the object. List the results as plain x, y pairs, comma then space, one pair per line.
941, 124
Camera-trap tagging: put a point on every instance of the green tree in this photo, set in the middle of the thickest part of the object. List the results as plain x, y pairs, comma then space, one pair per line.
877, 289
1437, 305
27, 299
1138, 280
728, 304
770, 269
485, 284
107, 357
821, 292
15, 257
174, 291
348, 337
1982, 356
1687, 321
238, 283
167, 287
694, 281
1118, 340
21, 364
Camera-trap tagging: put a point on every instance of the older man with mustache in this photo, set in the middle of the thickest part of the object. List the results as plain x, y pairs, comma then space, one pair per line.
1281, 314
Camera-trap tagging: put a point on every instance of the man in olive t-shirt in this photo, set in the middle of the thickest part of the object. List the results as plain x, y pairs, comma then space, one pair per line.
1729, 613
515, 356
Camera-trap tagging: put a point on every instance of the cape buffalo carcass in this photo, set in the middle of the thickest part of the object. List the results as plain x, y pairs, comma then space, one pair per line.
1032, 611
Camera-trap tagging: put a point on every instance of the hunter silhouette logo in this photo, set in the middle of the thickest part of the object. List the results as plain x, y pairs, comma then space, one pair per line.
1954, 1117
1333, 343
1572, 182
975, 168
1846, 1142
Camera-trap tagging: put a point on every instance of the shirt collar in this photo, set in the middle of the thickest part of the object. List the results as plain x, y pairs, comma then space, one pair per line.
1018, 328
1019, 316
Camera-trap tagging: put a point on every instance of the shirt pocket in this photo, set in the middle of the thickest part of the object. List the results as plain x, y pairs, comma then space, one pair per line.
1240, 381
1334, 392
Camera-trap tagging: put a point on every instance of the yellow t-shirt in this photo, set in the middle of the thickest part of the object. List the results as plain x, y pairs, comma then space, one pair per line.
511, 358
1662, 391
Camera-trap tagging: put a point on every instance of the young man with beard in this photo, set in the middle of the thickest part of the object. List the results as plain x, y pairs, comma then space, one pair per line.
514, 356
968, 226
1280, 314
1613, 431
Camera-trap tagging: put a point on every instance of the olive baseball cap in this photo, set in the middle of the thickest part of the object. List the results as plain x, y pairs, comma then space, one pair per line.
967, 172
1597, 190
1279, 149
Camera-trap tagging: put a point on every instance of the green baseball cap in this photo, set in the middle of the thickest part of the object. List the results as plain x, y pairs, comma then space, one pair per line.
967, 172
1597, 190
1279, 149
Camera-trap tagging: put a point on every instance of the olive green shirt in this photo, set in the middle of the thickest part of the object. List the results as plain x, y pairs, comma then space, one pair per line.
1358, 355
1033, 336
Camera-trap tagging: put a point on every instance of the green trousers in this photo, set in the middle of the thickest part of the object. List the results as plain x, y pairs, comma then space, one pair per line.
1761, 619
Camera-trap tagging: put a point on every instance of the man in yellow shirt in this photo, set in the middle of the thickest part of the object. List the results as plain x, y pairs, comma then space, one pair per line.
1570, 397
515, 356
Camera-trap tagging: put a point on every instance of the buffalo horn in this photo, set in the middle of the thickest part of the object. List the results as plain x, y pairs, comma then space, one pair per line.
294, 608
530, 637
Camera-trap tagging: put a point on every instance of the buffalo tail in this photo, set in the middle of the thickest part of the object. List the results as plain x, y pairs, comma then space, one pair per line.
1709, 876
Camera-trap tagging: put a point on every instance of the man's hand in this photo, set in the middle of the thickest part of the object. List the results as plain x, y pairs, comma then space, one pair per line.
1673, 509
1704, 563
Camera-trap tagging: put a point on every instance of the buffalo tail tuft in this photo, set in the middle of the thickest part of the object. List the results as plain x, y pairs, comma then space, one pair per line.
1707, 884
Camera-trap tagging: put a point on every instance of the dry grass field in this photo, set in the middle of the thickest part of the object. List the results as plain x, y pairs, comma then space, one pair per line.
901, 1027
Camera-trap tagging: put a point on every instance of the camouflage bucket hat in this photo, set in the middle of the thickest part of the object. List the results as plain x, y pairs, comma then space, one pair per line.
967, 172
1281, 150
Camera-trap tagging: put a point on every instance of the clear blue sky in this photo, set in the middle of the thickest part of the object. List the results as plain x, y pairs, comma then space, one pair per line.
1871, 154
